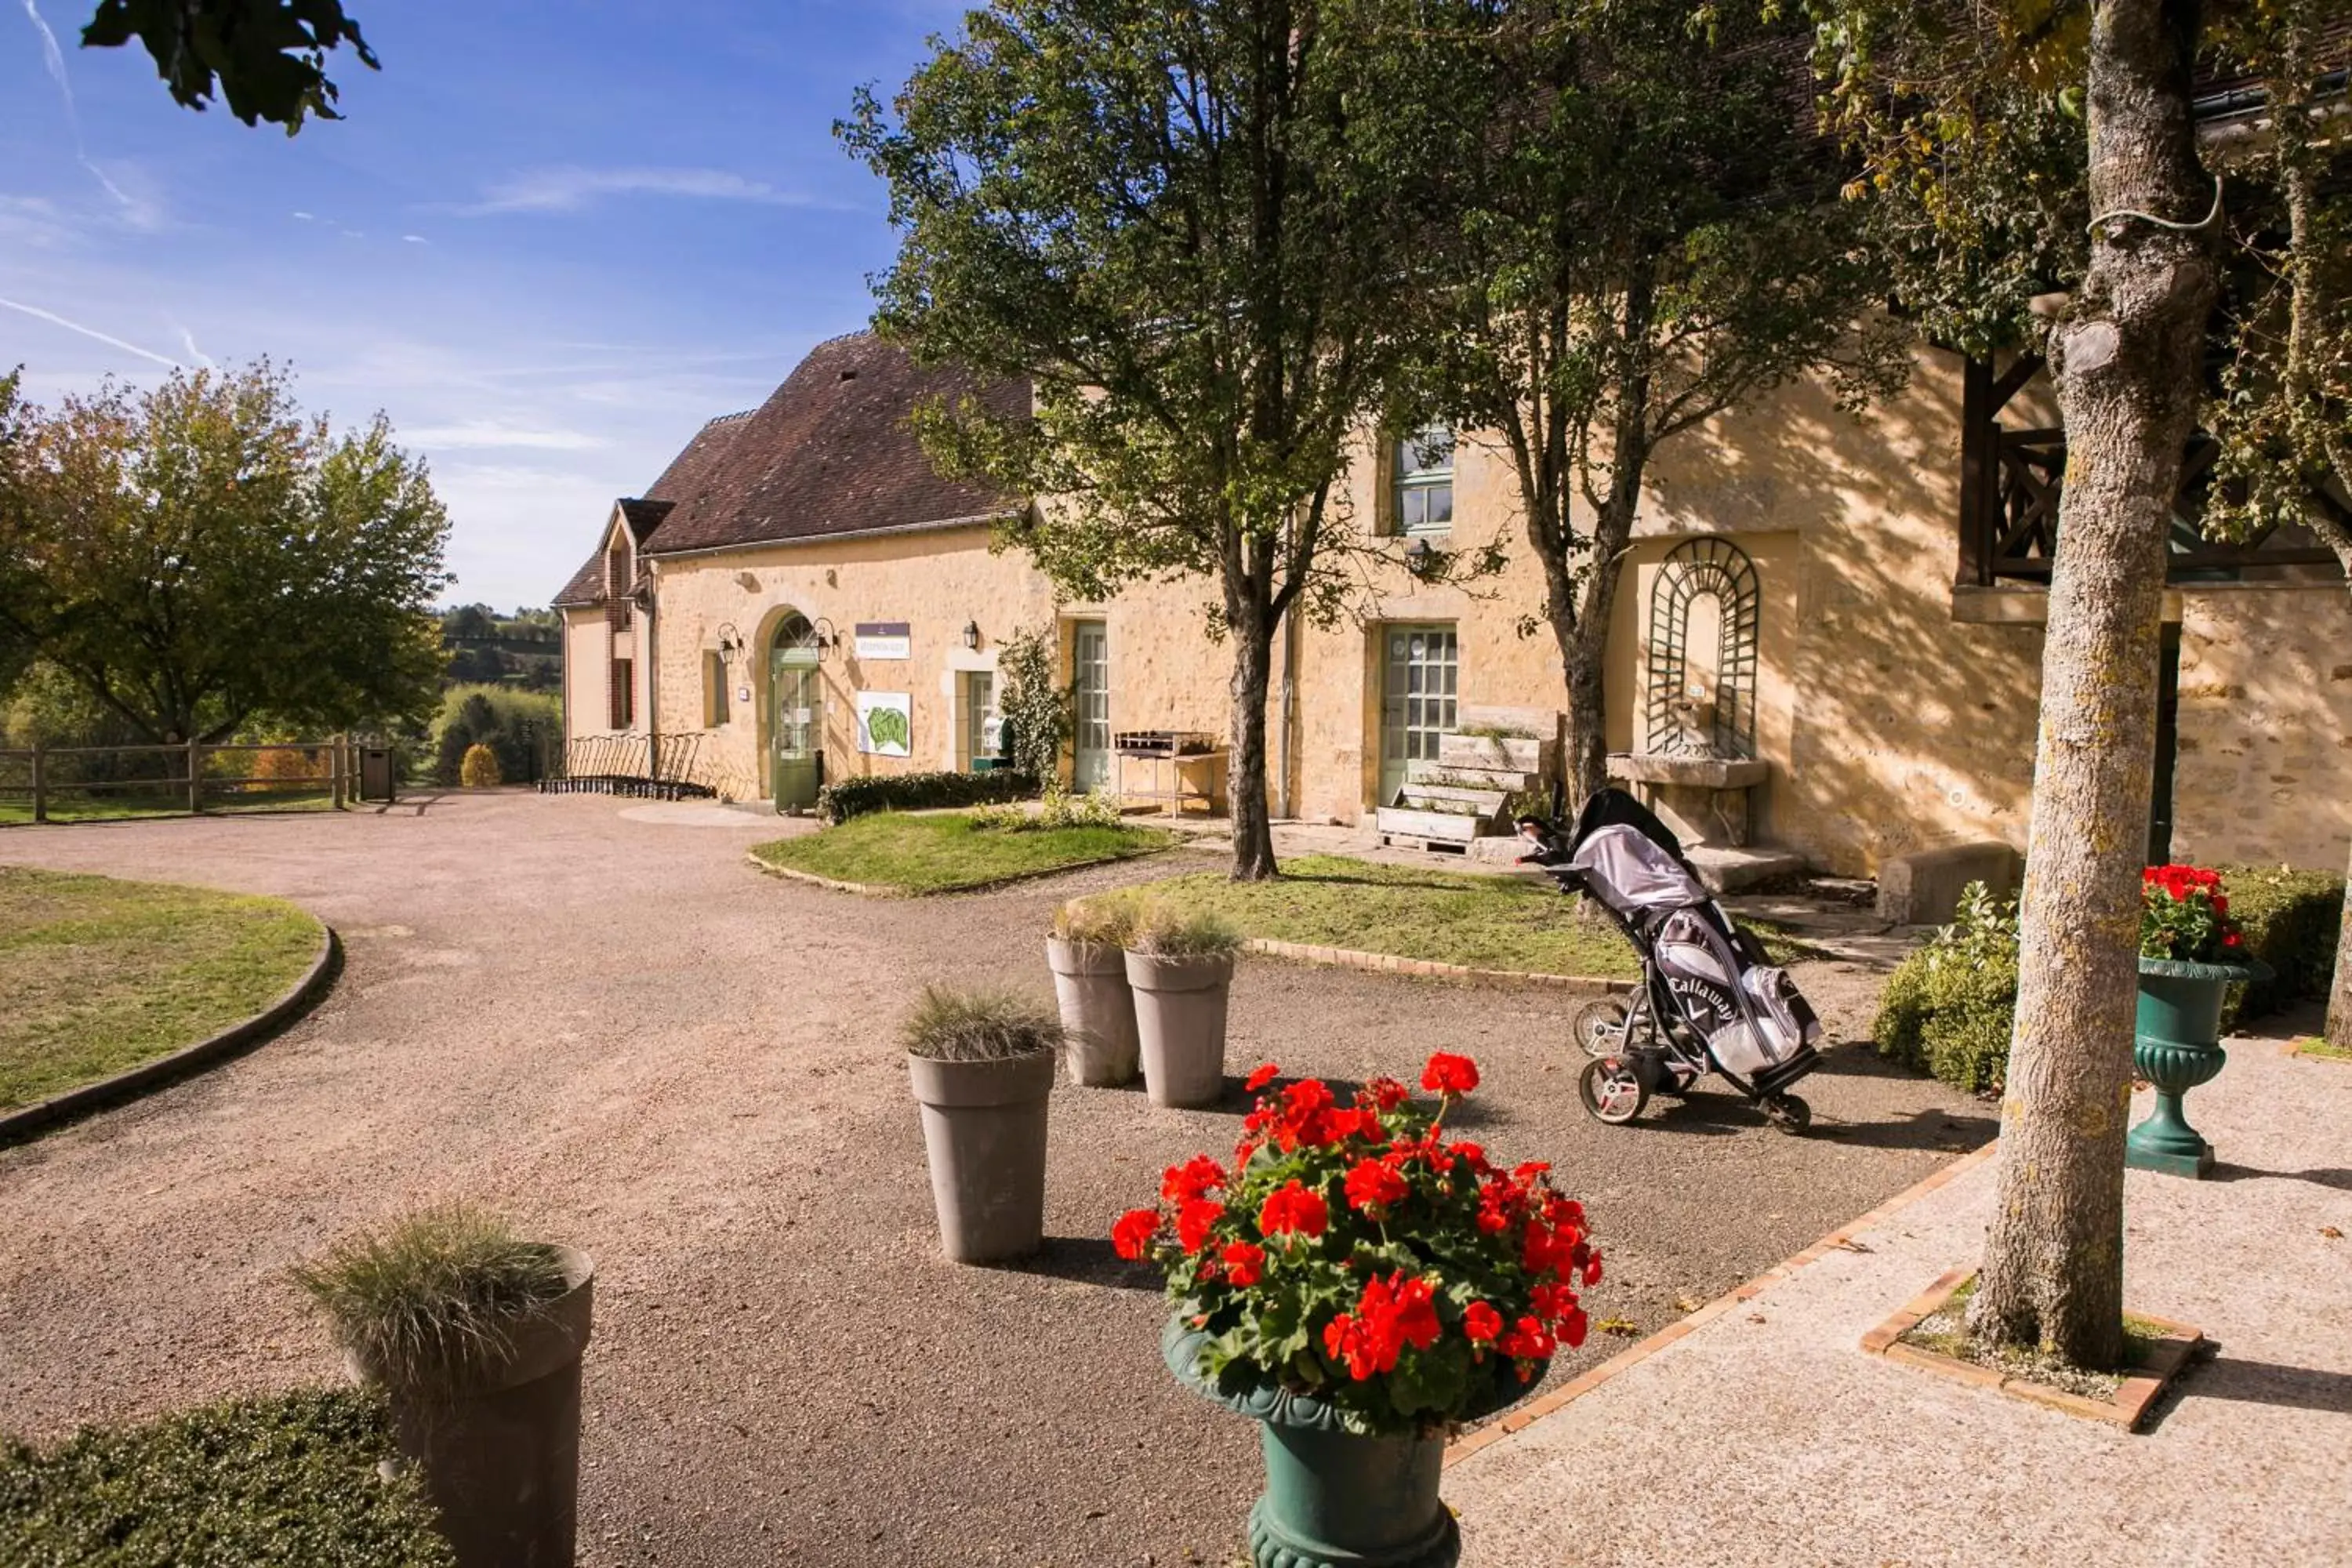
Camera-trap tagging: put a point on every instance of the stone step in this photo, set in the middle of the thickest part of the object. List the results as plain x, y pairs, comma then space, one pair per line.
1456, 826
1487, 801
1505, 779
1519, 755
1724, 870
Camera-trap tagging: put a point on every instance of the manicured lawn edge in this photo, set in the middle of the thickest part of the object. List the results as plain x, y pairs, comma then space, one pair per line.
74, 1103
1585, 1383
891, 891
1348, 958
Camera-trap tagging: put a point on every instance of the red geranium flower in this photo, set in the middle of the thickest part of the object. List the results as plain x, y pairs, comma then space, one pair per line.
1132, 1236
1244, 1263
1449, 1074
1184, 1182
1480, 1323
1193, 1221
1265, 1074
1372, 1186
1292, 1208
1385, 1093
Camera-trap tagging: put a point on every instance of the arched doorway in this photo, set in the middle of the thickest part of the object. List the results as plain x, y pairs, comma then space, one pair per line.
796, 721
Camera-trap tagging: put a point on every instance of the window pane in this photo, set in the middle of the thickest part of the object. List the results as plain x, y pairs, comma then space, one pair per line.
1440, 505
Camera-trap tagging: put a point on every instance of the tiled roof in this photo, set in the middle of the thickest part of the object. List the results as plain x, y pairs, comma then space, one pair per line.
831, 453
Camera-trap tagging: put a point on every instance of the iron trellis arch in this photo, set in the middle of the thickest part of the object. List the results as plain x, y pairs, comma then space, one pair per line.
1710, 564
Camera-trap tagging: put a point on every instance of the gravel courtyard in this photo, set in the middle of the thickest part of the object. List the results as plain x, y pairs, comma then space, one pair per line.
594, 1015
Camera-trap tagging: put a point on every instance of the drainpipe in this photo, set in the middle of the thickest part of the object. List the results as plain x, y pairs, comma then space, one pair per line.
652, 671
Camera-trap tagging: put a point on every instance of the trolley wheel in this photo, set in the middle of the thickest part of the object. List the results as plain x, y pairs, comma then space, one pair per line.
1612, 1090
1598, 1026
1789, 1113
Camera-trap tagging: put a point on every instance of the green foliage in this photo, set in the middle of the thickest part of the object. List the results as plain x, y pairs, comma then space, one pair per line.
201, 555
846, 798
286, 1481
435, 1296
268, 57
2290, 919
1037, 714
479, 770
1172, 927
945, 852
513, 724
1059, 808
980, 1026
1950, 1007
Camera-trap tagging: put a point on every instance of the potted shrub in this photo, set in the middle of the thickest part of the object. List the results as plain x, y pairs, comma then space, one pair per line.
981, 1063
1179, 963
475, 1334
1087, 954
2191, 953
1359, 1285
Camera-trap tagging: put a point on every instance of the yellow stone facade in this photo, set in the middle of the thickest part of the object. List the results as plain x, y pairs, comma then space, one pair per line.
1895, 711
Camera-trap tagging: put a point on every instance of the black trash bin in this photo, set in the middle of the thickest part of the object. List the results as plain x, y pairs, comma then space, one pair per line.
375, 773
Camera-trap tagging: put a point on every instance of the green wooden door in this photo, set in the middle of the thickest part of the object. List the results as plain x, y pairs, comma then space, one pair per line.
1421, 668
1090, 687
796, 723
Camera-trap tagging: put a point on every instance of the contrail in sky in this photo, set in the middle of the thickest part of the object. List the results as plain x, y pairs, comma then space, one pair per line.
54, 319
54, 58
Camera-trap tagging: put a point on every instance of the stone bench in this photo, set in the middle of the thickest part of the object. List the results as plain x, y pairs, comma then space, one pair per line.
1923, 887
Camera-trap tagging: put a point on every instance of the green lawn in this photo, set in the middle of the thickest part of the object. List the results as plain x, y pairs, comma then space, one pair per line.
114, 805
102, 975
1449, 917
943, 852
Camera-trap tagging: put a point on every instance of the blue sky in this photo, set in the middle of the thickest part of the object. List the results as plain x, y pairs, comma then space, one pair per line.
549, 240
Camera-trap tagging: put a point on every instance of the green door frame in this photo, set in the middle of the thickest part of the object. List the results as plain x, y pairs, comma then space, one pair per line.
1090, 763
1420, 667
795, 716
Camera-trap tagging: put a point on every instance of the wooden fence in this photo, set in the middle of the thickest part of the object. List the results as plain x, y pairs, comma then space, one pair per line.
40, 781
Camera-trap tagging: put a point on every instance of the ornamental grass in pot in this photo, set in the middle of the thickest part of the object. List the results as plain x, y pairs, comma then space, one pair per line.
1360, 1284
1179, 963
982, 1065
2191, 953
474, 1335
1087, 954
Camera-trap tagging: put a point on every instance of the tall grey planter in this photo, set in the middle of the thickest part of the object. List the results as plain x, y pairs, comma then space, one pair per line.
1097, 1010
984, 1135
1179, 1025
499, 1444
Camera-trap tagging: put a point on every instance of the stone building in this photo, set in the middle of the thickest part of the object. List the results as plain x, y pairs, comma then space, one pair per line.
1827, 643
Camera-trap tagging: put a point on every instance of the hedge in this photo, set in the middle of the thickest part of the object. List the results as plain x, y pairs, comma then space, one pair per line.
1951, 1017
846, 798
285, 1481
2290, 919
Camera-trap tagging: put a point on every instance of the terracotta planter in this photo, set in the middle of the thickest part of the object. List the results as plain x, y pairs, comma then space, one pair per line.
498, 1445
984, 1134
2176, 1045
1335, 1497
1098, 1011
1180, 1026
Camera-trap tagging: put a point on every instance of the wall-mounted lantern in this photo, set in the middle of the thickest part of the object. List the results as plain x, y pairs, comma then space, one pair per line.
1419, 557
971, 634
823, 633
730, 643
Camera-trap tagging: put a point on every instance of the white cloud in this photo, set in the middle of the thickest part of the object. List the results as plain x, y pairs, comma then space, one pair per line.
416, 239
569, 188
188, 342
306, 217
495, 434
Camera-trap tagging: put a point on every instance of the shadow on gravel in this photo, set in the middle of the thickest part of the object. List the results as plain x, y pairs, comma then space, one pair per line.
2327, 1177
2268, 1382
1929, 1129
1085, 1260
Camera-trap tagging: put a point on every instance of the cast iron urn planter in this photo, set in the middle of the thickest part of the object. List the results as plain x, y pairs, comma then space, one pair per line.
1334, 1498
2176, 1045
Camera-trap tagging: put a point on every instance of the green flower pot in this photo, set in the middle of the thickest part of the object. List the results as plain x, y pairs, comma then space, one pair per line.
2176, 1045
1336, 1499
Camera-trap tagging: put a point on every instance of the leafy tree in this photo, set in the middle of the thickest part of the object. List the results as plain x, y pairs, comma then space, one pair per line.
267, 57
1640, 234
1181, 226
478, 621
202, 555
1922, 88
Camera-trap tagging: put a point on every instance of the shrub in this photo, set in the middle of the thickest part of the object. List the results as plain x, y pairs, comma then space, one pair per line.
510, 722
980, 1026
286, 765
1037, 714
1168, 929
2290, 919
1949, 1008
1059, 808
480, 768
435, 1295
1099, 921
846, 798
290, 1482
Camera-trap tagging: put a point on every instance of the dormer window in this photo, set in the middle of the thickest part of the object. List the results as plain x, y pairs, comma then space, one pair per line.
619, 581
1425, 482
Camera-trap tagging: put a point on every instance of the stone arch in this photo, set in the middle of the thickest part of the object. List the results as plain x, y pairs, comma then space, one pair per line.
1706, 588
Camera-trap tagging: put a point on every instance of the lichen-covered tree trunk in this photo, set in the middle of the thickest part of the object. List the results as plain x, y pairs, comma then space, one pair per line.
1245, 782
2339, 994
2128, 363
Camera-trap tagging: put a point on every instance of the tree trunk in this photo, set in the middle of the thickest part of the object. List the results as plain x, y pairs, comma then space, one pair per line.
1584, 762
1246, 780
2339, 994
2127, 365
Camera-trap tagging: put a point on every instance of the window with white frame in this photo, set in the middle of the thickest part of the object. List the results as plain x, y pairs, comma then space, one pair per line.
1424, 466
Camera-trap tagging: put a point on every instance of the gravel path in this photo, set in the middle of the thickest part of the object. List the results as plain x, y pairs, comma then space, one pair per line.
595, 1015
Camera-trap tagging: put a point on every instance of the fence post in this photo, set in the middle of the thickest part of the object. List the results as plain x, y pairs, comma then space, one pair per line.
40, 781
335, 768
196, 777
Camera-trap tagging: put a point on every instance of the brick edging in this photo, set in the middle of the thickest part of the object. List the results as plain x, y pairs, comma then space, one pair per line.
1350, 958
1586, 1382
73, 1103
